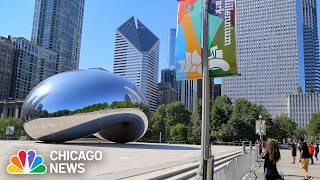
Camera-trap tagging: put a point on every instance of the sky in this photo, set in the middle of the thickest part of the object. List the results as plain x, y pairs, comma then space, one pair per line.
101, 19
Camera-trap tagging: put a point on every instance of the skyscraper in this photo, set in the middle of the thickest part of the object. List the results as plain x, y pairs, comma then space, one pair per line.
166, 93
6, 63
169, 75
136, 58
189, 91
172, 48
57, 26
277, 52
32, 65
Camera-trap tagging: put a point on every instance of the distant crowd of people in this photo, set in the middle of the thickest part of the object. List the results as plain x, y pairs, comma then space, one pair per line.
270, 152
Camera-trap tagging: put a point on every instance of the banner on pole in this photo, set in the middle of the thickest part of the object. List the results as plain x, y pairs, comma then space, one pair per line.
188, 40
221, 37
261, 128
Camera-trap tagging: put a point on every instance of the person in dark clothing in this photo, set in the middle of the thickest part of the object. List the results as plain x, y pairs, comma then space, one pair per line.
271, 157
293, 151
316, 152
304, 158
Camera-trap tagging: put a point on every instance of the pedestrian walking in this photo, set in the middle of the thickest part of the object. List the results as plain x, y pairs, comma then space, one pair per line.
293, 145
271, 157
311, 151
316, 152
304, 158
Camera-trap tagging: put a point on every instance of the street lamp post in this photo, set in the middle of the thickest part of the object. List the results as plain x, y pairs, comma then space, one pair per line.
205, 143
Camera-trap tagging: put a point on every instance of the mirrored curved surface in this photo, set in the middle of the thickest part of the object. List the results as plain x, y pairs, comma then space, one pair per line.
79, 103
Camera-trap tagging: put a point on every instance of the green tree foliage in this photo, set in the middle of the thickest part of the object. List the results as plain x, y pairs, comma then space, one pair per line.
221, 111
179, 133
300, 132
167, 117
228, 122
283, 127
195, 124
17, 123
121, 104
95, 107
176, 113
157, 123
244, 118
313, 128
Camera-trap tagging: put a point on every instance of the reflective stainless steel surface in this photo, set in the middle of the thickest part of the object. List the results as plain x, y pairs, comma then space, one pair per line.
79, 103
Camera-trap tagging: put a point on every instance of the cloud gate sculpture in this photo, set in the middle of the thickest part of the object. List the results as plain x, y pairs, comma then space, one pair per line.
76, 104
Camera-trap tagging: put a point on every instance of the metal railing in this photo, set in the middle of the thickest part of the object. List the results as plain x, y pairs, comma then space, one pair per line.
230, 166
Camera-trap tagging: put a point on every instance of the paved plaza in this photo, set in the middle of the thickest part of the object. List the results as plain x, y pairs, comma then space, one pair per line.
119, 160
292, 171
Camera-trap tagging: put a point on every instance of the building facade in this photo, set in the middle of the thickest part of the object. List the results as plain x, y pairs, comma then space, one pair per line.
169, 75
11, 108
172, 48
302, 106
215, 91
57, 26
136, 58
277, 52
189, 92
6, 64
167, 94
32, 65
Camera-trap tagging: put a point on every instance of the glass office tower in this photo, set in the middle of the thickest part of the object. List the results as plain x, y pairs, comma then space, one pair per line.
136, 58
57, 26
277, 52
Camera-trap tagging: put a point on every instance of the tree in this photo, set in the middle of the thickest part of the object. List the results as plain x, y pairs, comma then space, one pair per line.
313, 127
166, 117
243, 118
220, 114
284, 127
157, 124
195, 123
176, 113
300, 132
17, 123
179, 133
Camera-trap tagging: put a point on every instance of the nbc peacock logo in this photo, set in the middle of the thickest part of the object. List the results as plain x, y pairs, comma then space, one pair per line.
26, 162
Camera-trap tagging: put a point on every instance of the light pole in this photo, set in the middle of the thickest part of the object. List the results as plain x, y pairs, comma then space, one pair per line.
205, 143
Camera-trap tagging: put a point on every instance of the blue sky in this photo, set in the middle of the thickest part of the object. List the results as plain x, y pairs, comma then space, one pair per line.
101, 19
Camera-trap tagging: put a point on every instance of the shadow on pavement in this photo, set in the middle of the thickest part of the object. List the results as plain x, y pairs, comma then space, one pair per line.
130, 146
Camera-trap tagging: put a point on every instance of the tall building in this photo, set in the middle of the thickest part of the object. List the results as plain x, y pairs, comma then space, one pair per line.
32, 64
167, 94
6, 63
57, 26
189, 92
172, 48
136, 58
277, 52
215, 91
169, 75
302, 106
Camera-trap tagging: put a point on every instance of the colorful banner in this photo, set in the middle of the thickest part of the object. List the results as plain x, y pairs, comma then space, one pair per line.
222, 38
261, 128
188, 41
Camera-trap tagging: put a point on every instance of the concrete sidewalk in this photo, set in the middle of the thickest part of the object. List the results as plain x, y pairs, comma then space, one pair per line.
292, 171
